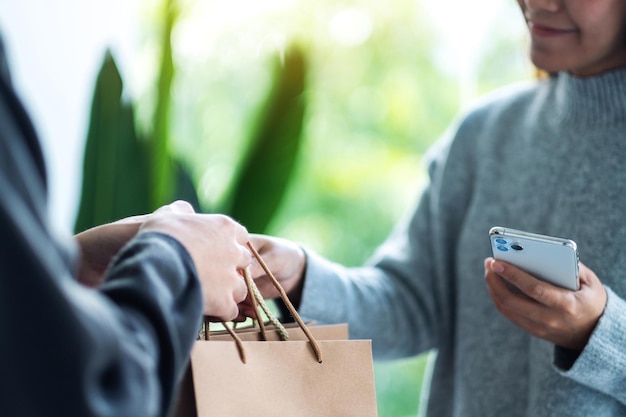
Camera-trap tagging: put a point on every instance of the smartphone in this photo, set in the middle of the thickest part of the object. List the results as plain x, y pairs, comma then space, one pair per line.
552, 259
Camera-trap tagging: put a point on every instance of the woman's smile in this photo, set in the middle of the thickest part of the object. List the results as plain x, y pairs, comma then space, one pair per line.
546, 31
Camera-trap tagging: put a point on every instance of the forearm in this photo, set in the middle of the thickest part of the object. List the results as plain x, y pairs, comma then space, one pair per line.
118, 350
100, 244
374, 302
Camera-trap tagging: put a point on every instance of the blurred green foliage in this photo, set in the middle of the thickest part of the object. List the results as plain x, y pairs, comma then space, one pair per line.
161, 178
379, 90
115, 163
273, 148
124, 175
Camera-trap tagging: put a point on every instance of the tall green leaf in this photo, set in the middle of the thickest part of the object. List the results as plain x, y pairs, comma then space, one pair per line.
161, 165
274, 146
123, 176
184, 187
115, 165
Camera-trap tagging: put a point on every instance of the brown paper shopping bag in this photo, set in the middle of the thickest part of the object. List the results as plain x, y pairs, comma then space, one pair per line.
316, 373
254, 334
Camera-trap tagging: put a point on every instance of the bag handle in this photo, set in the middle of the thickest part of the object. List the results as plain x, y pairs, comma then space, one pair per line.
255, 302
283, 295
258, 301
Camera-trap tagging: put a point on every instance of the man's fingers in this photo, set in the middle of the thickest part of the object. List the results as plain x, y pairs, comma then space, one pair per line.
241, 291
241, 234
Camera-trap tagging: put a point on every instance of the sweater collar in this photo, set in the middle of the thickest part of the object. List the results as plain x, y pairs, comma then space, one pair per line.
598, 101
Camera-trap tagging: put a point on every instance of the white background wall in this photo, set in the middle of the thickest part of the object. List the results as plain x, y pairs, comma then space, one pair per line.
55, 48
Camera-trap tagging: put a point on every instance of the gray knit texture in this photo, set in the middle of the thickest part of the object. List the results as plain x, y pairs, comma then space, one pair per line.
547, 157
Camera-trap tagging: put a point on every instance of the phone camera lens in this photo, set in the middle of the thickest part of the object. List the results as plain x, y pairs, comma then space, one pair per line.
502, 248
516, 246
501, 241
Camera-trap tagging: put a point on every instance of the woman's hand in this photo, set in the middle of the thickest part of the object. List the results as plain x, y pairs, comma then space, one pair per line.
285, 260
564, 317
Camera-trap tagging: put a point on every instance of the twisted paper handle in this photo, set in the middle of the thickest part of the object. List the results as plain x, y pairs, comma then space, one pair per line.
205, 331
238, 342
258, 300
290, 307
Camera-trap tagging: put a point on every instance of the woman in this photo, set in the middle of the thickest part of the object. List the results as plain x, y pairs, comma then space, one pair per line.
545, 157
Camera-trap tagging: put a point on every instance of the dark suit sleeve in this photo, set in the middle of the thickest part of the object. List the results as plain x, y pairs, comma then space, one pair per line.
66, 350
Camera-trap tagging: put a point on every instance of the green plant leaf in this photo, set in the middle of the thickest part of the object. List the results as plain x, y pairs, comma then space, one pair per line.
115, 176
184, 187
274, 146
161, 165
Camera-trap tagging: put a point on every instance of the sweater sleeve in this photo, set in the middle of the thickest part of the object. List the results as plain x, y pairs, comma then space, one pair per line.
602, 364
399, 299
403, 299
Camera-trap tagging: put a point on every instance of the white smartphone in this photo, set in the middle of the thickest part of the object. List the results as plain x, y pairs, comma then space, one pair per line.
552, 259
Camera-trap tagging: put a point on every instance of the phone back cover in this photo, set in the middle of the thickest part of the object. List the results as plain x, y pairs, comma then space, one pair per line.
554, 263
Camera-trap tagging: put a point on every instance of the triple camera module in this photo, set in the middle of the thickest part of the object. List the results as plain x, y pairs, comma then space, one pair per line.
504, 245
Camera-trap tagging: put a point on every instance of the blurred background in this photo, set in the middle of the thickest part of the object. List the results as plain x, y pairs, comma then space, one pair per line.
306, 119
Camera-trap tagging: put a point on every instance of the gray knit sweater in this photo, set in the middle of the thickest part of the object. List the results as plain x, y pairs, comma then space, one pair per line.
547, 157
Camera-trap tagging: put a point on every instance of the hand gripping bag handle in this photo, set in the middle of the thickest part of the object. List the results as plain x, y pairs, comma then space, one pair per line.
256, 297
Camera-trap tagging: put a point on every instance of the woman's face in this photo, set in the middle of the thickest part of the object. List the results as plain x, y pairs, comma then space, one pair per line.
584, 37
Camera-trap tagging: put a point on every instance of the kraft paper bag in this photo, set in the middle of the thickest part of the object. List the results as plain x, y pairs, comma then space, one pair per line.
317, 372
284, 379
342, 385
253, 334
